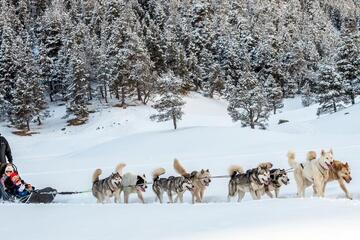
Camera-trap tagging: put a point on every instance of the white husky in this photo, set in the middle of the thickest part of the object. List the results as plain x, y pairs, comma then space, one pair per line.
311, 172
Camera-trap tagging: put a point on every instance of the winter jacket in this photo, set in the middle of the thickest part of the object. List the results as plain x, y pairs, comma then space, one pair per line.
16, 190
5, 151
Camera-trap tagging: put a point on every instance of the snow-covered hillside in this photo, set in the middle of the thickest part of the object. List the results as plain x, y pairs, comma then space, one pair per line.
207, 138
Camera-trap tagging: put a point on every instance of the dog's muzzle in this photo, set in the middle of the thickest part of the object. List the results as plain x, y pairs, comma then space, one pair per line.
207, 182
142, 188
285, 182
348, 179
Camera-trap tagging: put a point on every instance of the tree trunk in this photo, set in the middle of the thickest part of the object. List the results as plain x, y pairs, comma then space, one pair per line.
105, 92
252, 124
117, 94
51, 91
146, 97
28, 124
90, 91
334, 106
274, 105
39, 121
174, 121
211, 93
138, 91
352, 98
123, 96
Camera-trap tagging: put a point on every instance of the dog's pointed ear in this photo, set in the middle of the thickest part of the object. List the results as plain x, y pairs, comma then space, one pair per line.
202, 171
207, 170
144, 175
322, 152
331, 151
346, 164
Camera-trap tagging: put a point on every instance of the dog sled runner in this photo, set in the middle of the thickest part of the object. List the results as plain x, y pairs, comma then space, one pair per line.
45, 195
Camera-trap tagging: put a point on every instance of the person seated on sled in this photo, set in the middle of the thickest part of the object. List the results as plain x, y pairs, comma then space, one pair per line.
15, 186
7, 171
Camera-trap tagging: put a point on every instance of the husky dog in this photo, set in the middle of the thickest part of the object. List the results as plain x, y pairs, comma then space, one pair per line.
312, 172
200, 179
160, 185
132, 183
339, 172
253, 181
278, 178
108, 187
170, 185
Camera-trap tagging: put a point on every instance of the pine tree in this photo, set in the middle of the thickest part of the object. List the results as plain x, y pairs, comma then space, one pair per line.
103, 73
50, 45
121, 51
28, 95
307, 95
170, 103
248, 103
348, 59
7, 69
155, 44
77, 91
22, 107
273, 93
330, 90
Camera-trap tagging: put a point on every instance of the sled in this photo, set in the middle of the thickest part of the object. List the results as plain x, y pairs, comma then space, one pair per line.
45, 195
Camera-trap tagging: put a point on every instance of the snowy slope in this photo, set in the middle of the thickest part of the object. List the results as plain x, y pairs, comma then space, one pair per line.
207, 138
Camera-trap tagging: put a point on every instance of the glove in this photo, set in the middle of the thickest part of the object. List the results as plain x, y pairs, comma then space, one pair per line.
21, 188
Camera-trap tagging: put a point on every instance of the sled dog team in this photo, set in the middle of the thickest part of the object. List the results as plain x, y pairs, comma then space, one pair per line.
263, 179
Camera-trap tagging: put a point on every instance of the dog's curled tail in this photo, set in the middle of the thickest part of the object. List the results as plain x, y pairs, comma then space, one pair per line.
266, 165
157, 172
234, 169
96, 175
292, 159
180, 169
311, 155
120, 167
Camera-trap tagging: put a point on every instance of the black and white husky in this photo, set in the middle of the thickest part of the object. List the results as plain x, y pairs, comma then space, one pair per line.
253, 181
104, 189
278, 178
170, 185
133, 183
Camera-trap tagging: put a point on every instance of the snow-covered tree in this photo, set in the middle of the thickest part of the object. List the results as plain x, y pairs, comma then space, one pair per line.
9, 66
330, 90
77, 90
307, 95
170, 103
28, 94
273, 93
248, 103
50, 44
348, 59
125, 45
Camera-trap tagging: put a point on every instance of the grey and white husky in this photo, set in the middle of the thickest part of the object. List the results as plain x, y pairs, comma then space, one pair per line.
253, 181
200, 179
278, 178
104, 189
170, 185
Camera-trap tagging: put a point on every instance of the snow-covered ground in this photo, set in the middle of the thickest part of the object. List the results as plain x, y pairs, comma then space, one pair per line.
206, 138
